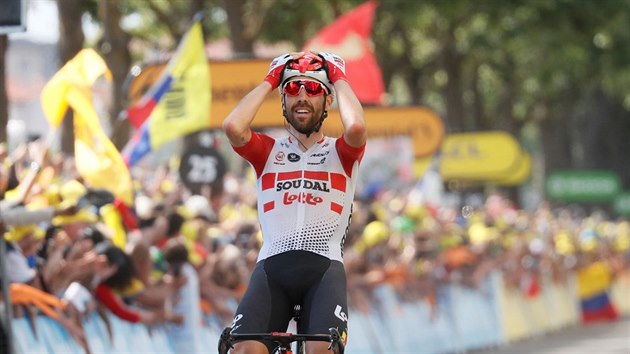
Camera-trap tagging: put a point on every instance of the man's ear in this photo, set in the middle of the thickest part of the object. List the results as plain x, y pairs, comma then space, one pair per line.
329, 102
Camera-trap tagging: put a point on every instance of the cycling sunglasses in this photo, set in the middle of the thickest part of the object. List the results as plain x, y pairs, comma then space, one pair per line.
312, 88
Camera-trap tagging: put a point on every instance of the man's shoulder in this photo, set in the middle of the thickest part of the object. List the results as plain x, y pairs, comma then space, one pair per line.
257, 140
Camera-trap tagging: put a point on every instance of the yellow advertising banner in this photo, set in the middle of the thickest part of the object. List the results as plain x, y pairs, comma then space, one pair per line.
517, 177
520, 174
231, 80
492, 156
422, 125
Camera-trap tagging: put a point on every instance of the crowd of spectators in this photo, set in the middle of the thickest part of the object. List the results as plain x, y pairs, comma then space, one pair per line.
183, 260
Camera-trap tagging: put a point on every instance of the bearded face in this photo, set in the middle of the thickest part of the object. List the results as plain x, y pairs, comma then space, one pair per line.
304, 114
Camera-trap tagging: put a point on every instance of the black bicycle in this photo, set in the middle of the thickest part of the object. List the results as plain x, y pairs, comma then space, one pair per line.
283, 340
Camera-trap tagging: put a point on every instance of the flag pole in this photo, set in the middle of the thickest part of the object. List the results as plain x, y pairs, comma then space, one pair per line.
199, 15
7, 314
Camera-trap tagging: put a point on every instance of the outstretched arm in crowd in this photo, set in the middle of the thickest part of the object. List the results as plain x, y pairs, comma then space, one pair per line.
50, 305
106, 296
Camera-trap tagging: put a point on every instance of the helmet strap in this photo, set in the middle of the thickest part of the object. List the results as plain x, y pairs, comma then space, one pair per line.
284, 110
321, 119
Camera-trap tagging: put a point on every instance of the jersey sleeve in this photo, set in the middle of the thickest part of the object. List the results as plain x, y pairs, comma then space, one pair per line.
106, 296
256, 151
348, 154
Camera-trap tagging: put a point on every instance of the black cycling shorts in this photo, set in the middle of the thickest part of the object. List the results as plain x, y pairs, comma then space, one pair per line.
303, 278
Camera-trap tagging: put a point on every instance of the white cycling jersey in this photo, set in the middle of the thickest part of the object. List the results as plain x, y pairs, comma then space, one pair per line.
304, 197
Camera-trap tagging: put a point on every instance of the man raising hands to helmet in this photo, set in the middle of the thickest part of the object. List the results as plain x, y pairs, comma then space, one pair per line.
306, 184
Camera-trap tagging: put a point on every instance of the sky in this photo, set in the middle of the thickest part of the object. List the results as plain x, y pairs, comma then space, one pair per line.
42, 23
42, 27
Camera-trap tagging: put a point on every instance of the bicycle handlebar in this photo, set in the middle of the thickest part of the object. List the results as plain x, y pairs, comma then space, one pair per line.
282, 339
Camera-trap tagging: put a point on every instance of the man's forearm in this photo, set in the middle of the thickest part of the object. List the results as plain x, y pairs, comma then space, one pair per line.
351, 112
236, 124
22, 216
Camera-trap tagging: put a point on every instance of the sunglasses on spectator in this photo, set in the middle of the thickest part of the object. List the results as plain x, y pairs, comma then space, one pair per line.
312, 88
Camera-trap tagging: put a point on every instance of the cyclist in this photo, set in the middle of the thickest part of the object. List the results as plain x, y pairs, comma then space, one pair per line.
305, 184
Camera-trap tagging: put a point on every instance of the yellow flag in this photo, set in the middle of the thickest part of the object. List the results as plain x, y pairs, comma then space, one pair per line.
185, 107
80, 73
97, 159
113, 220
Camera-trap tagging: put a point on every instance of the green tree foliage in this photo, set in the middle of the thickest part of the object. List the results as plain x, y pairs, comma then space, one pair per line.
557, 68
555, 71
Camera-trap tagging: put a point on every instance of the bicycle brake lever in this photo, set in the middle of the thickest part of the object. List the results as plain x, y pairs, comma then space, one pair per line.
335, 341
225, 341
334, 334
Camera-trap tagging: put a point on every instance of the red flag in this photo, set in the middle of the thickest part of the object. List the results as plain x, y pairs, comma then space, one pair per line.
349, 37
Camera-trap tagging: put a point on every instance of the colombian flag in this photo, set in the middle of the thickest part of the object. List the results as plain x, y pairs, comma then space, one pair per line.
177, 104
594, 282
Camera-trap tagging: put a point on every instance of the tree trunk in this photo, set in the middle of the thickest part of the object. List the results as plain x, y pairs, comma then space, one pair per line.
4, 100
115, 50
505, 119
604, 131
556, 144
71, 40
479, 120
241, 45
453, 89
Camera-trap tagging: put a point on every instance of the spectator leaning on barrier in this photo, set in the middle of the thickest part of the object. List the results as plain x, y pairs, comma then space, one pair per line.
13, 212
22, 243
113, 273
149, 288
28, 297
184, 302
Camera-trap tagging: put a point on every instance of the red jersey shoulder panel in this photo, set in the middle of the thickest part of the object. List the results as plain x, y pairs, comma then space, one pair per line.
256, 151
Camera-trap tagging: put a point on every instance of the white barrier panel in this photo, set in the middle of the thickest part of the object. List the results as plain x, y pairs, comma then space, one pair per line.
555, 307
620, 293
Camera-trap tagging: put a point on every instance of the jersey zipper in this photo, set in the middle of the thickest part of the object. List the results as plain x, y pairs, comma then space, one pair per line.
301, 214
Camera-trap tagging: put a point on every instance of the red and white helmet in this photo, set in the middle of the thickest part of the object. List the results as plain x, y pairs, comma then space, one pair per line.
308, 65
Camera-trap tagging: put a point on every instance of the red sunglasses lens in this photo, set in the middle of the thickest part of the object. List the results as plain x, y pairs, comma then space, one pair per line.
292, 88
313, 88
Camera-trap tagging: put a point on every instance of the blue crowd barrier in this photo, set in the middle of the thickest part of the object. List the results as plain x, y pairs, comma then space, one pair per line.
25, 340
476, 316
57, 339
462, 319
97, 335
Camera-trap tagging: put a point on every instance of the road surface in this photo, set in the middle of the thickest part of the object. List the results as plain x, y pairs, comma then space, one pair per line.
604, 338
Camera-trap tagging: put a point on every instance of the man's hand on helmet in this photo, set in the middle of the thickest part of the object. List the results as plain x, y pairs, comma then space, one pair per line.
336, 67
276, 68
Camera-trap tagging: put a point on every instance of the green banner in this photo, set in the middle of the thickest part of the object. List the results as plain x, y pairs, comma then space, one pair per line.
621, 204
583, 186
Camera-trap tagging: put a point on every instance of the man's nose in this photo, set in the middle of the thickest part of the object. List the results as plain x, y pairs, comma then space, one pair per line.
302, 92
